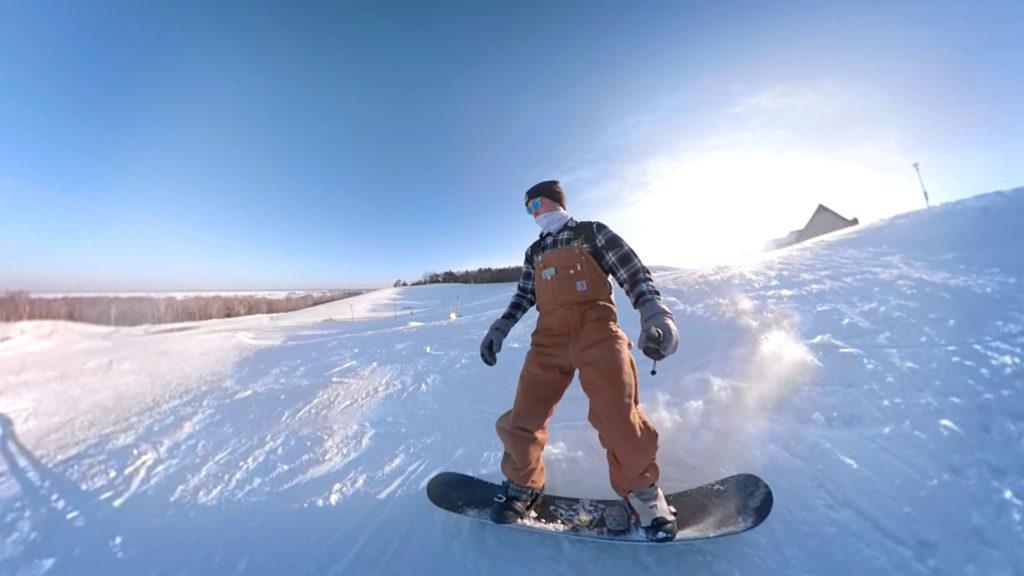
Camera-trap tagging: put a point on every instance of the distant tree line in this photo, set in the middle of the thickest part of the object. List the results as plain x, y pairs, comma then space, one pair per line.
136, 310
478, 276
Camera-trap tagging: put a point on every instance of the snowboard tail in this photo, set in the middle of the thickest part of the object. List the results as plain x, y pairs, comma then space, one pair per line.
727, 506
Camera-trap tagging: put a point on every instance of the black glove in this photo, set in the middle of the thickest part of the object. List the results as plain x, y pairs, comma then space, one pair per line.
659, 338
491, 344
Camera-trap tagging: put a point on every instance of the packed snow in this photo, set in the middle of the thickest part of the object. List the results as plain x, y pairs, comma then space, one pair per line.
872, 377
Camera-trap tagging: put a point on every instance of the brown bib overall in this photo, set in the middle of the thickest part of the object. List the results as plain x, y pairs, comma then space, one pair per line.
578, 329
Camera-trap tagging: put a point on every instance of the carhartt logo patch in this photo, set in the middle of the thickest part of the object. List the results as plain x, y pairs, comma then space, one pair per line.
581, 286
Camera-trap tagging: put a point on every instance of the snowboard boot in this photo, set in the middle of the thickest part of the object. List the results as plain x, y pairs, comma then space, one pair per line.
515, 503
657, 518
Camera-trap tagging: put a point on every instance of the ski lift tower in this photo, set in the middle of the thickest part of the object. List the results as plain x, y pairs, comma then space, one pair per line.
917, 169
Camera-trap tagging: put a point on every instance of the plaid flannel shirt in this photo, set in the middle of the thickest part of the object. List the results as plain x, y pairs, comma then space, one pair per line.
611, 252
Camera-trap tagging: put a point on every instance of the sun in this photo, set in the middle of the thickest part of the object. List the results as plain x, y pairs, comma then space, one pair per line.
719, 206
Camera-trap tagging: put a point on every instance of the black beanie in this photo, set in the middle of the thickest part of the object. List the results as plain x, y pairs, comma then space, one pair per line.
550, 189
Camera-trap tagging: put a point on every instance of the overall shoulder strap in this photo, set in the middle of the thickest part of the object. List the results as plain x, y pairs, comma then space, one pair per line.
532, 250
586, 231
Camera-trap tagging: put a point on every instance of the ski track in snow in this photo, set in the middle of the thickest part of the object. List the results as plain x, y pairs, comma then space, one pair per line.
873, 379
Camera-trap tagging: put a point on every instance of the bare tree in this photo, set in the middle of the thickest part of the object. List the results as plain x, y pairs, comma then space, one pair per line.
135, 310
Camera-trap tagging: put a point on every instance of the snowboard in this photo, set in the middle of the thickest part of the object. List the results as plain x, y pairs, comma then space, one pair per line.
727, 506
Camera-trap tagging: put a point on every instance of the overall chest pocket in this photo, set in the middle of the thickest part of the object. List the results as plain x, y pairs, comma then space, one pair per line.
569, 276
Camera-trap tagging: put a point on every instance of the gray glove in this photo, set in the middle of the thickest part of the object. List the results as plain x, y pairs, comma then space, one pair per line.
658, 335
491, 344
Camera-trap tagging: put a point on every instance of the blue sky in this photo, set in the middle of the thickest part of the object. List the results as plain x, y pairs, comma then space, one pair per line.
198, 145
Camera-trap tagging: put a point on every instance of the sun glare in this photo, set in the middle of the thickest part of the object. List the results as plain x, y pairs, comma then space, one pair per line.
717, 207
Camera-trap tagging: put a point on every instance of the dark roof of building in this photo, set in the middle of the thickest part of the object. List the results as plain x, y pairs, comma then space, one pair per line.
822, 209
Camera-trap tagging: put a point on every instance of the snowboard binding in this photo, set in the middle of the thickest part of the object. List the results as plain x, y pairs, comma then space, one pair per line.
514, 503
656, 517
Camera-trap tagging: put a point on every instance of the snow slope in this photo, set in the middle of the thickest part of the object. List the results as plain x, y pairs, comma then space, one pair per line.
873, 378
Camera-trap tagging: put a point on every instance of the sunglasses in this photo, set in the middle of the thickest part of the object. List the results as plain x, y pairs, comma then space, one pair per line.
533, 206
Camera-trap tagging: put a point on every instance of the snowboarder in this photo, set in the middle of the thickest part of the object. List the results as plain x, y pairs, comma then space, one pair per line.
565, 274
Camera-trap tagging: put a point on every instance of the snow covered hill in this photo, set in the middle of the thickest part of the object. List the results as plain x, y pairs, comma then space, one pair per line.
873, 378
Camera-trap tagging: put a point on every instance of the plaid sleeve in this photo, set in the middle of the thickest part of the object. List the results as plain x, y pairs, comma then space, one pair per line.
622, 263
524, 297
